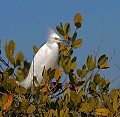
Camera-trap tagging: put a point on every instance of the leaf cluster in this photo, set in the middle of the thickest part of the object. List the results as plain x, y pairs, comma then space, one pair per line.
75, 90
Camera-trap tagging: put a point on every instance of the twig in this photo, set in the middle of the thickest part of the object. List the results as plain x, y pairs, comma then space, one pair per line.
98, 49
117, 66
54, 96
65, 79
85, 83
115, 78
5, 63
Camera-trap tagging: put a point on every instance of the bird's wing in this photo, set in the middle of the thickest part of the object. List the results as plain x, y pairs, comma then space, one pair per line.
39, 60
41, 56
37, 66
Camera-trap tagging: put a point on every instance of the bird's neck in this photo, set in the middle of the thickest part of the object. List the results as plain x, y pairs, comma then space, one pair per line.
52, 45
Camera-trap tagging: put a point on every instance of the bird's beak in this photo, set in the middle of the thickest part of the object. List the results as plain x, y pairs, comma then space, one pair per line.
62, 40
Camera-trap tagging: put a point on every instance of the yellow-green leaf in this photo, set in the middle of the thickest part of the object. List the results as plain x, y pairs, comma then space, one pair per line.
25, 104
12, 45
66, 113
67, 29
74, 36
78, 20
35, 48
31, 109
77, 43
20, 90
96, 78
115, 102
102, 112
60, 30
85, 107
102, 62
58, 73
92, 103
79, 72
73, 65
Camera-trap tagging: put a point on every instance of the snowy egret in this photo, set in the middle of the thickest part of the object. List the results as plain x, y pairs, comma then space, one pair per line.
47, 56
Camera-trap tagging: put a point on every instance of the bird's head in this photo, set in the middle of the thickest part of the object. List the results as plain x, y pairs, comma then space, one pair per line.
53, 37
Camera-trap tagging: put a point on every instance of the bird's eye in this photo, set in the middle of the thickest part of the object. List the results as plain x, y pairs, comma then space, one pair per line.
57, 39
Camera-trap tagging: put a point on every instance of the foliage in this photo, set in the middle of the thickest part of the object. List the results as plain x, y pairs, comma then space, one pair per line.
76, 90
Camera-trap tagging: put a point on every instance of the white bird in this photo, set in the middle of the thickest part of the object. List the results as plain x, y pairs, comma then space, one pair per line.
47, 56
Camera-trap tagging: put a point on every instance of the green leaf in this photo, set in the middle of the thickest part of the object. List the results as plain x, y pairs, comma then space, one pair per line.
74, 36
115, 102
73, 65
19, 58
67, 29
61, 25
66, 113
91, 64
31, 109
9, 49
60, 30
80, 83
106, 66
89, 61
12, 61
10, 71
51, 73
20, 90
78, 20
74, 59
102, 62
96, 79
4, 98
102, 112
85, 107
71, 77
35, 49
92, 103
12, 45
73, 96
20, 74
25, 104
92, 86
79, 72
84, 71
77, 43
11, 81
45, 75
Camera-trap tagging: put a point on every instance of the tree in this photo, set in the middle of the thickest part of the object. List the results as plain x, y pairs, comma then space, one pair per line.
85, 94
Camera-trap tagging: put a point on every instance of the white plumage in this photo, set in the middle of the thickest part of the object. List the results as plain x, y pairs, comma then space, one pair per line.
47, 56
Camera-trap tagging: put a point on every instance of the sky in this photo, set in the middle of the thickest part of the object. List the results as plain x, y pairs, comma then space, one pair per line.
27, 22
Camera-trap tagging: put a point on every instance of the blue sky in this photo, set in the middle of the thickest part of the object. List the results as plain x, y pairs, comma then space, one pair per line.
27, 21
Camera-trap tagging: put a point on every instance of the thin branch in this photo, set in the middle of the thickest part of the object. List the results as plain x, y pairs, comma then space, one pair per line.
65, 79
85, 83
115, 78
117, 66
98, 49
54, 96
3, 61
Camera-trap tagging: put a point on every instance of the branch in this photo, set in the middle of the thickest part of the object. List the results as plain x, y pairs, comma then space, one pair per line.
85, 83
5, 63
54, 96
